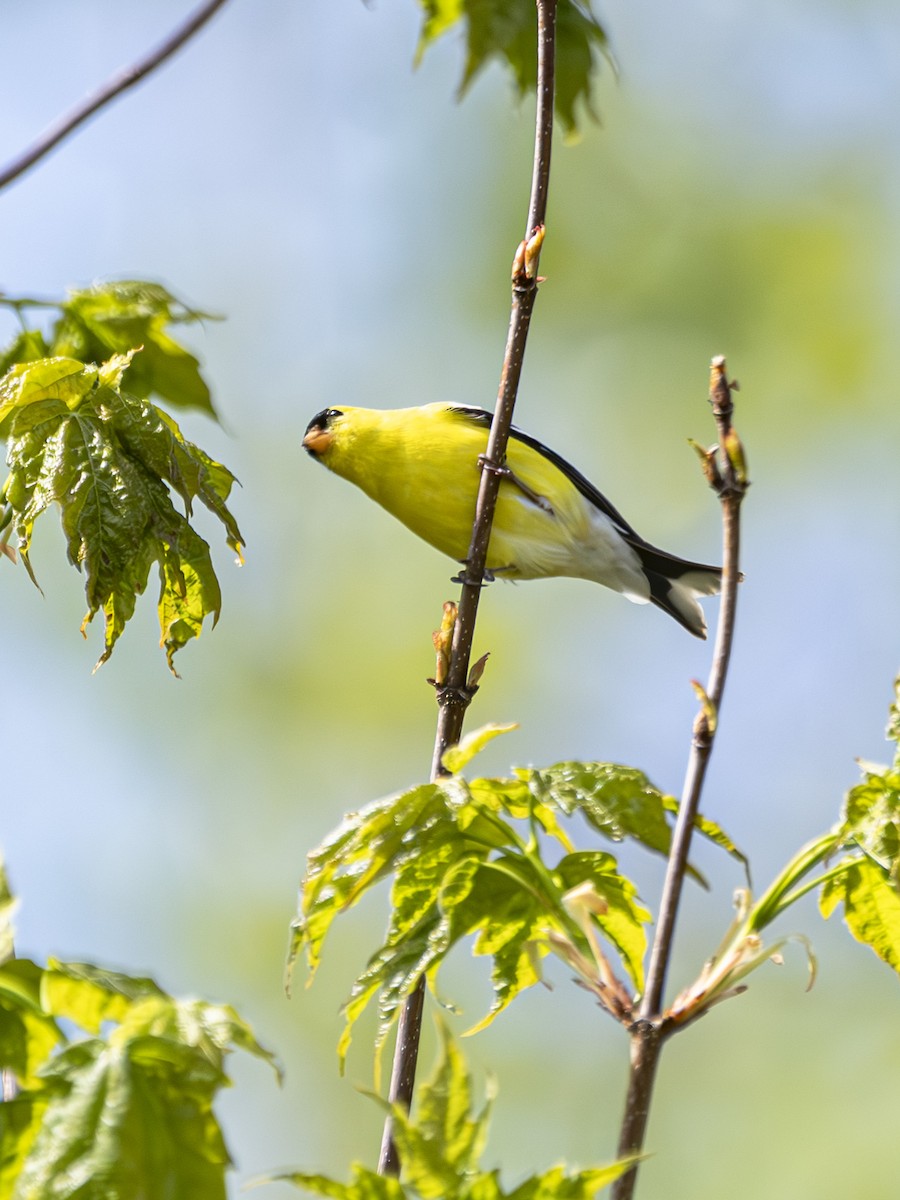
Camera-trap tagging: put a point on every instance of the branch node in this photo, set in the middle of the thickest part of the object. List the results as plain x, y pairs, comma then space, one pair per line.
454, 696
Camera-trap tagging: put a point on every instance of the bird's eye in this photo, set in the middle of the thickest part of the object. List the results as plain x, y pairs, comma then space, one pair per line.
323, 419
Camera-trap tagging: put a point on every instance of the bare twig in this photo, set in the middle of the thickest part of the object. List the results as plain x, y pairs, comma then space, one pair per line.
727, 473
120, 82
456, 693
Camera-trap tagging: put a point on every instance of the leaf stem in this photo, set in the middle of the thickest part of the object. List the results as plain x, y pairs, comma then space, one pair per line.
455, 695
778, 896
119, 83
726, 472
818, 881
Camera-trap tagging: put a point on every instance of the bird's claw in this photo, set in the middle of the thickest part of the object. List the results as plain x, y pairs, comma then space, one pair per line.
464, 579
506, 473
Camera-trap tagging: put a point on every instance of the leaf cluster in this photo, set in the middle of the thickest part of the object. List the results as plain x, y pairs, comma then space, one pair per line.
441, 1151
123, 1112
96, 323
490, 859
85, 437
866, 882
506, 30
856, 866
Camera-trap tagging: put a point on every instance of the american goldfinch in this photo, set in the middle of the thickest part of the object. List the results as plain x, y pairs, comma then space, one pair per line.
421, 464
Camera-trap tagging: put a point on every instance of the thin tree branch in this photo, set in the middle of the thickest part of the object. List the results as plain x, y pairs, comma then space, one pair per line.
120, 82
455, 695
731, 487
727, 474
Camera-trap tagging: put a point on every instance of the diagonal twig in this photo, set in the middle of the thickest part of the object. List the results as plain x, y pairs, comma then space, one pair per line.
119, 83
455, 694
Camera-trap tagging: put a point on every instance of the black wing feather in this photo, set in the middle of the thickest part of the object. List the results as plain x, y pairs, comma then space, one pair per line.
481, 416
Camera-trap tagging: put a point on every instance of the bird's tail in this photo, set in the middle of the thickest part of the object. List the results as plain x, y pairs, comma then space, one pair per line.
676, 583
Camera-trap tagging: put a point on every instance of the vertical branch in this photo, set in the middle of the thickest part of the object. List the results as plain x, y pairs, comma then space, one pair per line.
455, 694
455, 697
726, 471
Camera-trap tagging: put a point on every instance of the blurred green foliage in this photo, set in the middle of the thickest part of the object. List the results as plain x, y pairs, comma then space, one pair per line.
124, 1112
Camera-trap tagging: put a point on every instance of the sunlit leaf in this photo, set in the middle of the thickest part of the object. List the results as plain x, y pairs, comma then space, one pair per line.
893, 727
152, 437
61, 382
871, 907
364, 849
127, 1119
114, 318
461, 870
509, 920
27, 346
624, 919
130, 1116
619, 802
560, 1184
108, 460
90, 995
28, 1034
514, 798
441, 1148
871, 818
444, 1108
456, 758
391, 974
189, 591
364, 1185
20, 1122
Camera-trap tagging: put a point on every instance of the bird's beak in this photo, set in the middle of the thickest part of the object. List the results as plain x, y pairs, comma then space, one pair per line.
317, 441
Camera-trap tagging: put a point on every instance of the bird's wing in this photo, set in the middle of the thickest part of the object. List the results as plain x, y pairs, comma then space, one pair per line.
480, 416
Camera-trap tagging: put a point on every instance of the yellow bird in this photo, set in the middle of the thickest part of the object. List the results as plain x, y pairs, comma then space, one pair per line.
421, 464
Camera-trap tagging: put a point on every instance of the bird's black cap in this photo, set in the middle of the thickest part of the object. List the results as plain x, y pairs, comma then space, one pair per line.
317, 437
